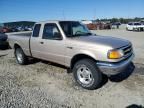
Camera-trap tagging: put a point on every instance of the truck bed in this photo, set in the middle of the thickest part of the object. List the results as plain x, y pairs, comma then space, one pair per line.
28, 33
20, 38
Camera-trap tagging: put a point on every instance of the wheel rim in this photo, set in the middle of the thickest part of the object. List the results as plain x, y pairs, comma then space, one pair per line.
84, 75
19, 56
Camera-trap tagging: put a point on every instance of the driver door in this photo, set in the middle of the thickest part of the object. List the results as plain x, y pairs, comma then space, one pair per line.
52, 44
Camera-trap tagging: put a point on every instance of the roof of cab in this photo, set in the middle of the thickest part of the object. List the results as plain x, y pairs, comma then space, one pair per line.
52, 21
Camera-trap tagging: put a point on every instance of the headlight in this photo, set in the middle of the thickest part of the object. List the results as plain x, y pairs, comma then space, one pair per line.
115, 54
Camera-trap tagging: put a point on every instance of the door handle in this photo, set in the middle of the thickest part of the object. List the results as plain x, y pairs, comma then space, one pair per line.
69, 47
41, 42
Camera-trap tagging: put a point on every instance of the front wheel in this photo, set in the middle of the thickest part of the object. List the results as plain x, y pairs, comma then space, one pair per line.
86, 74
20, 56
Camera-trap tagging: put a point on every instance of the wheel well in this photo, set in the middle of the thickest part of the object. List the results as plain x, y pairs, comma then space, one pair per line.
16, 46
80, 57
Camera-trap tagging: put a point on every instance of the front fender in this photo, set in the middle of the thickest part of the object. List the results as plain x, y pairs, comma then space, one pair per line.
88, 53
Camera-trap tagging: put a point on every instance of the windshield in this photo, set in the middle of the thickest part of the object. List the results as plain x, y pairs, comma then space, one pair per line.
74, 29
137, 24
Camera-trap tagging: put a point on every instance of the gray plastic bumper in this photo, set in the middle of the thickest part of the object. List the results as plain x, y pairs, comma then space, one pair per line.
114, 68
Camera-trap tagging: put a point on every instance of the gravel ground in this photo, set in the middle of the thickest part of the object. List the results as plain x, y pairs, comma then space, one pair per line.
41, 84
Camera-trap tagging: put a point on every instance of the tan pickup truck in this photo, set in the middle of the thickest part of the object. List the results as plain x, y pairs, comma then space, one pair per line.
71, 44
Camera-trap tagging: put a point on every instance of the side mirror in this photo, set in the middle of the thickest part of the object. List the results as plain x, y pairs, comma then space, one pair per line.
57, 36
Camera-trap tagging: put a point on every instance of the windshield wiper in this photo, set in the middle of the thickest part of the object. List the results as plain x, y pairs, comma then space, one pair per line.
78, 35
83, 34
89, 33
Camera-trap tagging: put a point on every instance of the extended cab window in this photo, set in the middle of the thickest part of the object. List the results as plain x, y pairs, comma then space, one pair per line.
36, 30
51, 31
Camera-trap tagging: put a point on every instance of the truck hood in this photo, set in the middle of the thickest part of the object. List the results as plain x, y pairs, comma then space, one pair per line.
103, 40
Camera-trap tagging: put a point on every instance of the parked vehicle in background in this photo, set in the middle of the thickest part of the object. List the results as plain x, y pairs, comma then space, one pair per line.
1, 29
71, 44
91, 26
116, 25
98, 26
14, 29
135, 26
6, 30
142, 22
28, 28
3, 40
1, 26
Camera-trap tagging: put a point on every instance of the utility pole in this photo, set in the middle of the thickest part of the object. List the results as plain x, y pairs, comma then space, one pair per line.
94, 14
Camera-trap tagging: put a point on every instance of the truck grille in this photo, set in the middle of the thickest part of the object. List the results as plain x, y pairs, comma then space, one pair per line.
127, 50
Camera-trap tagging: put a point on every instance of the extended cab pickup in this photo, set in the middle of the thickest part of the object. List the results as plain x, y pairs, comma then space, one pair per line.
71, 44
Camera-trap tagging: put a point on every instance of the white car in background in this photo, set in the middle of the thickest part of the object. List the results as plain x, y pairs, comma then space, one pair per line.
135, 26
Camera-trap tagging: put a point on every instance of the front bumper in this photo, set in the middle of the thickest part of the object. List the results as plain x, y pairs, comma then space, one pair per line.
114, 68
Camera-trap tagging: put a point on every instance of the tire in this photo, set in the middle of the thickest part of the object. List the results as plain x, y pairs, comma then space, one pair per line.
20, 56
87, 74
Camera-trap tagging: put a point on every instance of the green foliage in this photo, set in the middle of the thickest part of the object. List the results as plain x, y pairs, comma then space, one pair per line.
113, 20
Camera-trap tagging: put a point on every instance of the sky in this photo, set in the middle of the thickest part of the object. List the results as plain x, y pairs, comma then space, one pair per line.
41, 10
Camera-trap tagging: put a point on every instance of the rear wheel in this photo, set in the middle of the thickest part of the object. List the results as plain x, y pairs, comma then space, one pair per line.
86, 74
20, 56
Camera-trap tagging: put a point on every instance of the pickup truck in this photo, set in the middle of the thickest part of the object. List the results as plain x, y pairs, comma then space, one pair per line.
71, 44
135, 26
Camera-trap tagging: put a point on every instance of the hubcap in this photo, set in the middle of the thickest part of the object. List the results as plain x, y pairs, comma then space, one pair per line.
19, 56
84, 75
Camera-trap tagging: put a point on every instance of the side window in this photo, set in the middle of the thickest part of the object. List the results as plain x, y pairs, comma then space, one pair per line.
66, 28
51, 31
130, 24
36, 30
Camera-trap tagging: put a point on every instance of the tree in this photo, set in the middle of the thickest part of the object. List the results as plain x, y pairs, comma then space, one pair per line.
113, 20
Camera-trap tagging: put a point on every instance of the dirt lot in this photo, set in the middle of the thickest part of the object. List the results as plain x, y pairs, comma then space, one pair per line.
41, 84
